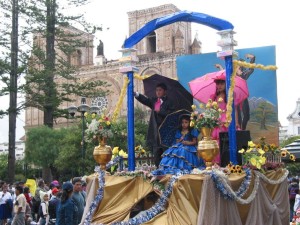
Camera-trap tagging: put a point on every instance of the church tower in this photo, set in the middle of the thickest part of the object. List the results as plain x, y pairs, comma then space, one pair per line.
162, 40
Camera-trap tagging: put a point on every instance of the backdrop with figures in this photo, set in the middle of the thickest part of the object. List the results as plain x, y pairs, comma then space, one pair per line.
261, 105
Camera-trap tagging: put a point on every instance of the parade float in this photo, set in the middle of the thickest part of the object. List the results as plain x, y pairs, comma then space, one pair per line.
254, 192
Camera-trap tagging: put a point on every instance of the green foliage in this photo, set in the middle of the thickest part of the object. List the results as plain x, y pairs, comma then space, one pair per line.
41, 146
3, 166
293, 168
70, 162
289, 141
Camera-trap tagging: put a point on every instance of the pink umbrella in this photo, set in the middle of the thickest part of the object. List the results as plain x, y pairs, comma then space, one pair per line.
203, 88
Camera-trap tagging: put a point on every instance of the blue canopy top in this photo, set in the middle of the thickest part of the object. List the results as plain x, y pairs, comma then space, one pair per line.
186, 16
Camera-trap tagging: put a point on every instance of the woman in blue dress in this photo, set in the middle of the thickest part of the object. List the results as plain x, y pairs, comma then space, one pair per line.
183, 154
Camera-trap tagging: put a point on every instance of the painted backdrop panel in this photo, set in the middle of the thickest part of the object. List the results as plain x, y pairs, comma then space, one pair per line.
262, 86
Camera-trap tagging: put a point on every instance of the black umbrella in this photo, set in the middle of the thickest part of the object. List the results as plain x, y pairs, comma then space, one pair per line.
181, 98
169, 126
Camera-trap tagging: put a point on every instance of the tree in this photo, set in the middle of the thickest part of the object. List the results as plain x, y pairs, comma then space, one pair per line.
56, 41
10, 72
42, 148
289, 141
263, 113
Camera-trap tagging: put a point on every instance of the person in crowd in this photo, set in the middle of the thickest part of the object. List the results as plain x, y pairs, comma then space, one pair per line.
160, 107
220, 97
19, 207
44, 208
5, 204
28, 196
182, 155
78, 197
67, 213
36, 201
28, 216
53, 203
296, 206
293, 191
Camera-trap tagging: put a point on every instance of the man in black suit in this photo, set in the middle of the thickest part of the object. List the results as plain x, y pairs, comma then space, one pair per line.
160, 107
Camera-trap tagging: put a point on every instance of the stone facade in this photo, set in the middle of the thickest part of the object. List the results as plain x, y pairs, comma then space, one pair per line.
157, 55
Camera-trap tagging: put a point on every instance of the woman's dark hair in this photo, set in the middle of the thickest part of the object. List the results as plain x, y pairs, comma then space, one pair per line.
26, 190
65, 195
184, 117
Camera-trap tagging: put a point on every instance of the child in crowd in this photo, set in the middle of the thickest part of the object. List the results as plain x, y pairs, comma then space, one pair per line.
44, 212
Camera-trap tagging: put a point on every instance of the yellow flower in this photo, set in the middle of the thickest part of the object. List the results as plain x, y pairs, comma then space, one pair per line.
292, 157
220, 99
202, 106
283, 153
251, 144
260, 151
192, 124
86, 114
208, 105
194, 107
100, 120
123, 154
241, 151
143, 151
115, 150
266, 148
215, 105
249, 150
253, 161
107, 123
93, 115
262, 160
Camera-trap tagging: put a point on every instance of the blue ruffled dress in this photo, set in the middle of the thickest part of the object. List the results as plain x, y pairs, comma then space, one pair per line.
179, 156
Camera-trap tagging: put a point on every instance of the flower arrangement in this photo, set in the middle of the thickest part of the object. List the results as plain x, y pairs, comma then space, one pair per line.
97, 126
253, 155
264, 156
119, 152
140, 151
209, 117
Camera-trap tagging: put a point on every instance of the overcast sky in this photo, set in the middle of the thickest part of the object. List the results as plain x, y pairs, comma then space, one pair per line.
256, 23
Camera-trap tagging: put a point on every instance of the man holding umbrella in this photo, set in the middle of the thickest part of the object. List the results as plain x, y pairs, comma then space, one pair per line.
160, 107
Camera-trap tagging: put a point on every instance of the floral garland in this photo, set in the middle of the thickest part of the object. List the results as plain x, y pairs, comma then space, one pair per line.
120, 101
237, 63
98, 198
139, 77
227, 192
280, 180
114, 162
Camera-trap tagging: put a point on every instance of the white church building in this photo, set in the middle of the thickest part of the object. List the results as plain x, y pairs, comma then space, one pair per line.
293, 128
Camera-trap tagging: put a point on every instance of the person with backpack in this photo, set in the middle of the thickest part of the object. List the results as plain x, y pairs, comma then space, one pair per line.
44, 209
293, 191
53, 203
36, 200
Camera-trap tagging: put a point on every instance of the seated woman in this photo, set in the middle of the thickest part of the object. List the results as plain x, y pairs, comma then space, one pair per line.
183, 154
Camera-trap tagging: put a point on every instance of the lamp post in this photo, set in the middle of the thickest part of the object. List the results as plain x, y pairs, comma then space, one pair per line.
82, 108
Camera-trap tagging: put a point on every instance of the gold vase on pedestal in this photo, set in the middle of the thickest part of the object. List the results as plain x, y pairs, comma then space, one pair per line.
207, 148
102, 153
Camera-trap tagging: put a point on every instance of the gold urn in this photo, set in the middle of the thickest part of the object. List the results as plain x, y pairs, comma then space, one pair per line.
102, 153
207, 149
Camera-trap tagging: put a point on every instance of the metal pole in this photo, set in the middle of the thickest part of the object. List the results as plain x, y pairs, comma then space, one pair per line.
232, 126
82, 147
130, 127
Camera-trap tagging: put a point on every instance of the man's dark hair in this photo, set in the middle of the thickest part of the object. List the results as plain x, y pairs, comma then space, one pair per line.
20, 189
76, 179
162, 85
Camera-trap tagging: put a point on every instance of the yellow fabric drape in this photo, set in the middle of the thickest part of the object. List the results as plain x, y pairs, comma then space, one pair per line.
122, 193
